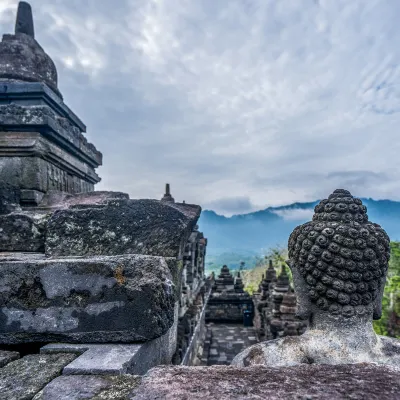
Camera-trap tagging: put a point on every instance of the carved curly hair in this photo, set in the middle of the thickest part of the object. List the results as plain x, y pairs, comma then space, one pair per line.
341, 255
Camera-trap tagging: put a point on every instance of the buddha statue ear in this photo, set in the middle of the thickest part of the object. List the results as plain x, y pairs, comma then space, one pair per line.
378, 301
304, 306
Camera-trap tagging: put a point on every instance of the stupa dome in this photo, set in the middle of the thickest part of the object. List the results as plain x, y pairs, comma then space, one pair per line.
21, 56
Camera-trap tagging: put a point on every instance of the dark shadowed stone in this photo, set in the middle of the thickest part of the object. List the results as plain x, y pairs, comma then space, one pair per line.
23, 59
24, 22
99, 300
9, 197
22, 232
357, 381
121, 227
7, 356
22, 379
89, 387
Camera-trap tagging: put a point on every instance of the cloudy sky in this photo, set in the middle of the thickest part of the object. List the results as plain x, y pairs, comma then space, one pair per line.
238, 104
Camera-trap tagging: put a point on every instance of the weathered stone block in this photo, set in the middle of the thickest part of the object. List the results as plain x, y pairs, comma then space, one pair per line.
121, 227
117, 359
93, 300
22, 379
353, 381
7, 356
74, 387
22, 232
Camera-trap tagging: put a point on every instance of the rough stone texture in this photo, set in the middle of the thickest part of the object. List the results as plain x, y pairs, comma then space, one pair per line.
23, 59
22, 232
322, 347
7, 356
22, 379
24, 22
60, 130
94, 387
342, 256
109, 359
121, 227
362, 381
100, 299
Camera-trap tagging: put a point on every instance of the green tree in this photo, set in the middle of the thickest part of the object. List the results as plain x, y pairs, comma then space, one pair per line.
389, 324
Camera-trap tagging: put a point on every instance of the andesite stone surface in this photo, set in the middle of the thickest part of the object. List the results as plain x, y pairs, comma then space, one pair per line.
99, 299
7, 356
323, 382
23, 378
22, 232
121, 227
117, 359
77, 387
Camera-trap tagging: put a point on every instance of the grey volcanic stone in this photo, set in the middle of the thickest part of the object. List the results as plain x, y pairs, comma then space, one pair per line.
99, 300
357, 381
24, 22
117, 359
77, 387
121, 227
22, 232
60, 130
22, 379
7, 356
23, 59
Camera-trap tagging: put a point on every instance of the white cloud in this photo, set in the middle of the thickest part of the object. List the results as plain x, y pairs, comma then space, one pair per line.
274, 101
295, 214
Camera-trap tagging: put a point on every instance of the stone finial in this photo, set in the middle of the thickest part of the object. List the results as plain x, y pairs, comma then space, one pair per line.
167, 196
24, 21
341, 256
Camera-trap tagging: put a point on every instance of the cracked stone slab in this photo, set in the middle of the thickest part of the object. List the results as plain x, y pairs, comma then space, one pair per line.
23, 378
117, 359
116, 299
77, 387
7, 356
323, 382
97, 359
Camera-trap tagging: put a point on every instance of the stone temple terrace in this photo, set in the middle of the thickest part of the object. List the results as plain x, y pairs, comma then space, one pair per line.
106, 297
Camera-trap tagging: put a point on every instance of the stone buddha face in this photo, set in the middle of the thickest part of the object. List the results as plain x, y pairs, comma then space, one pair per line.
339, 261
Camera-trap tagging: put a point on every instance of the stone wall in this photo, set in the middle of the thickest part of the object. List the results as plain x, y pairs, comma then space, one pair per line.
228, 301
228, 308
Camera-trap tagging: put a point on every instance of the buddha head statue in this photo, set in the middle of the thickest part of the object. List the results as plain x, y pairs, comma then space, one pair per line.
339, 261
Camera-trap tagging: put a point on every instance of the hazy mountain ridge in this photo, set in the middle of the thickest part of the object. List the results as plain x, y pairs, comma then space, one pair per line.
248, 235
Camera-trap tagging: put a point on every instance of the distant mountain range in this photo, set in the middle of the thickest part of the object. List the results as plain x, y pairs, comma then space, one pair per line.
245, 236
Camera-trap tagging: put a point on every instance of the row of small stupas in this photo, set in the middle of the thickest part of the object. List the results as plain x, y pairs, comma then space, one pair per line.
76, 265
228, 300
275, 307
